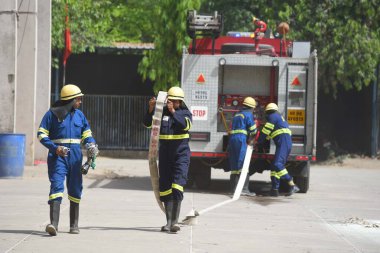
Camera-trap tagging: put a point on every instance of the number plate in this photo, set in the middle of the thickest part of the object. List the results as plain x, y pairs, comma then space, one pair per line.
296, 117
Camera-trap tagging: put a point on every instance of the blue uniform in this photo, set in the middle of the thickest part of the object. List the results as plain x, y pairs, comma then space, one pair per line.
278, 129
174, 152
71, 132
243, 125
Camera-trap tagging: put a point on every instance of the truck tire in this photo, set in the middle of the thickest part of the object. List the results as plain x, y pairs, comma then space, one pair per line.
200, 174
302, 180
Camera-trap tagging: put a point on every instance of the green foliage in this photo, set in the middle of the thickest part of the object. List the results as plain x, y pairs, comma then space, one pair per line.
168, 19
346, 33
95, 23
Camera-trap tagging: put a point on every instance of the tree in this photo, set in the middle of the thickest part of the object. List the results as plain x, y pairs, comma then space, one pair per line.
162, 64
95, 23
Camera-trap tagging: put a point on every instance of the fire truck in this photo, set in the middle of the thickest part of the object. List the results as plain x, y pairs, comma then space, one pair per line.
218, 72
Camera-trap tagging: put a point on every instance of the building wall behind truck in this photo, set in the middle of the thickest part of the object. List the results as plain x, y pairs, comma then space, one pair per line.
107, 74
345, 122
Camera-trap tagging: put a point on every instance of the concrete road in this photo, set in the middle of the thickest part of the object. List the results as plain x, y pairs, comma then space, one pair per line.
340, 213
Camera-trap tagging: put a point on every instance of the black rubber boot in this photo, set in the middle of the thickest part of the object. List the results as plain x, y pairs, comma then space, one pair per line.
246, 191
74, 217
52, 228
168, 212
174, 228
292, 189
274, 193
234, 179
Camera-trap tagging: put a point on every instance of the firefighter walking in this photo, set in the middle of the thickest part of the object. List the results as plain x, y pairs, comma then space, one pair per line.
277, 128
62, 130
243, 131
174, 153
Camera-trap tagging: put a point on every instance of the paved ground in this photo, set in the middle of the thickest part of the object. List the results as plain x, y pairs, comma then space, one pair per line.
340, 213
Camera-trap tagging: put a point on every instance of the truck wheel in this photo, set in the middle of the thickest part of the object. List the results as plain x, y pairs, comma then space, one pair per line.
302, 180
200, 173
203, 178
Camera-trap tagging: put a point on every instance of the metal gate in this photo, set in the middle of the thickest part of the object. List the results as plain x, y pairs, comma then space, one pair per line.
116, 121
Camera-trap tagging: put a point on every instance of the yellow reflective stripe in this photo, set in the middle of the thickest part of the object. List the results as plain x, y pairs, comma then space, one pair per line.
280, 131
75, 141
178, 187
274, 174
188, 124
282, 172
235, 172
75, 200
174, 136
55, 195
150, 126
269, 125
266, 131
165, 193
43, 130
240, 131
86, 134
252, 127
41, 136
239, 115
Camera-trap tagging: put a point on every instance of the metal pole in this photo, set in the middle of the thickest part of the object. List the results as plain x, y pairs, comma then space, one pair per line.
374, 115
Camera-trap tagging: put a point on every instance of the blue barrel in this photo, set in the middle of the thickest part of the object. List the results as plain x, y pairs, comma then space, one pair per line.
12, 155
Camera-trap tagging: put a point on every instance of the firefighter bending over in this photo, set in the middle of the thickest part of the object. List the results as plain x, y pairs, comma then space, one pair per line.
62, 130
174, 153
278, 129
243, 131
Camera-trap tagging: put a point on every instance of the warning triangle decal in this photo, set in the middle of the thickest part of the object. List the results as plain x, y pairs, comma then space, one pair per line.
201, 78
296, 81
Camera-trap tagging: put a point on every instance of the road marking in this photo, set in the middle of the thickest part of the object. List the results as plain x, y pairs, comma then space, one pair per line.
335, 231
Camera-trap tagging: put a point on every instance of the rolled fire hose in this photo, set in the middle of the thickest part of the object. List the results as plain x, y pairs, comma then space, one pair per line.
153, 146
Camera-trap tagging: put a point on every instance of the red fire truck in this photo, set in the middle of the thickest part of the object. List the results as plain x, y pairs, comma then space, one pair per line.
218, 72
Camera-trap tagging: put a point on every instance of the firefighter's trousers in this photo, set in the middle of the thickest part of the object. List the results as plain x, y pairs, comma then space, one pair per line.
237, 148
69, 167
278, 171
174, 161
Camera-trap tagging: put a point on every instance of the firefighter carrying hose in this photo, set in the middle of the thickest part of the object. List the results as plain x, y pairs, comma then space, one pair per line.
243, 132
174, 153
62, 130
278, 129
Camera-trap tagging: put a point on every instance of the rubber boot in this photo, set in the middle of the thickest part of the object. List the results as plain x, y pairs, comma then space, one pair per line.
246, 191
234, 179
274, 192
292, 188
174, 228
52, 228
168, 213
74, 217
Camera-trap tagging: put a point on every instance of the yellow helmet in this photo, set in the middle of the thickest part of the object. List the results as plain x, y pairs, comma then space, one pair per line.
70, 91
176, 93
271, 107
250, 102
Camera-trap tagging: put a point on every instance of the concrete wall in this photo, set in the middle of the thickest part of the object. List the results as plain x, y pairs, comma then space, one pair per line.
25, 70
26, 75
43, 72
7, 65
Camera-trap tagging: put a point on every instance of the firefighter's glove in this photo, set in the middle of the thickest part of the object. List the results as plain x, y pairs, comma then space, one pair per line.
62, 151
92, 152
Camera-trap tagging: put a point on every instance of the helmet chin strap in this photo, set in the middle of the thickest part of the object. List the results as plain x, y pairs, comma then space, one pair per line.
61, 111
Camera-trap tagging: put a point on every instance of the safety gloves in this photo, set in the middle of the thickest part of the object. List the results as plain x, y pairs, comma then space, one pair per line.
92, 152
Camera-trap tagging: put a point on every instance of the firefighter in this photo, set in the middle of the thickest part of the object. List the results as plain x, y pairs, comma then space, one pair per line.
62, 130
243, 132
277, 128
174, 153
